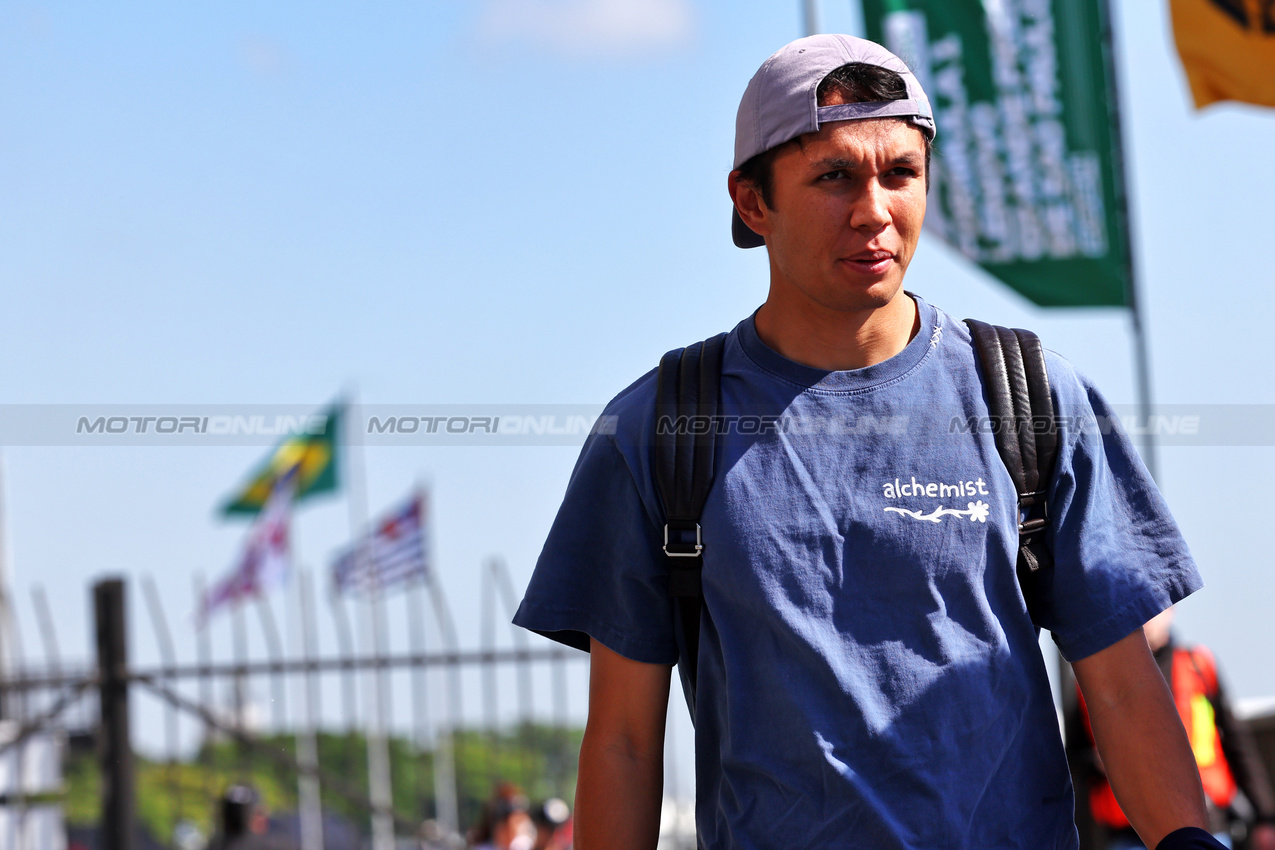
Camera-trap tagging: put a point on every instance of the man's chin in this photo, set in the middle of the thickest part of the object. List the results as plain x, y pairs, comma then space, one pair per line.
871, 295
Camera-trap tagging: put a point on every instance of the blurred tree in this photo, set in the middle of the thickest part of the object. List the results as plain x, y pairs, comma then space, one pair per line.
540, 759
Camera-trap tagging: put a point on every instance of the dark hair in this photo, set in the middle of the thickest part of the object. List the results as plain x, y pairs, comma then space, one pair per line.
857, 82
505, 801
238, 804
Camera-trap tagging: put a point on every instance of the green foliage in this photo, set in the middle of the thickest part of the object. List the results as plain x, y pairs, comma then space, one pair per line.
167, 793
539, 759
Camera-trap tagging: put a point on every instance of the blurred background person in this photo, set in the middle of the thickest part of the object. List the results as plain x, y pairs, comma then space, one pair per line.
1237, 786
552, 819
505, 823
243, 824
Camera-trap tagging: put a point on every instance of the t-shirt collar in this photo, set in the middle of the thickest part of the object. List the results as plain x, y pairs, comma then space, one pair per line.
851, 380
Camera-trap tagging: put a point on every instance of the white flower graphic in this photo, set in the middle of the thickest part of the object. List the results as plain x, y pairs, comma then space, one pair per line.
976, 511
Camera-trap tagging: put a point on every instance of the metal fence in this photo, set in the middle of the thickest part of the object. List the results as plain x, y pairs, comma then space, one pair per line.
388, 695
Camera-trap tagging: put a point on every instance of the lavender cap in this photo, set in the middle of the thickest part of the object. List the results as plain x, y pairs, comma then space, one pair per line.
780, 102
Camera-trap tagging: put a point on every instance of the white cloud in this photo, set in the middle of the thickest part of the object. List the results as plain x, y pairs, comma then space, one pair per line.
590, 28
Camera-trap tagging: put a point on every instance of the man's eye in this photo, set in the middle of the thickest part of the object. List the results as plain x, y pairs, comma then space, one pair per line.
832, 175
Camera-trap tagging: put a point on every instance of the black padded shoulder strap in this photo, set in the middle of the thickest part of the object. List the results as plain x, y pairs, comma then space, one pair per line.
1012, 363
686, 399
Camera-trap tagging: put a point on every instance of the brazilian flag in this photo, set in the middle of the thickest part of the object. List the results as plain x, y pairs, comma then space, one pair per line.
313, 455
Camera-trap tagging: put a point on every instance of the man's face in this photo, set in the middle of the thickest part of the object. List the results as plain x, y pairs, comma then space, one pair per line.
848, 205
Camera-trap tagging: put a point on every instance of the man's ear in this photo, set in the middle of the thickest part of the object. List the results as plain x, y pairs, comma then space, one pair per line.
749, 204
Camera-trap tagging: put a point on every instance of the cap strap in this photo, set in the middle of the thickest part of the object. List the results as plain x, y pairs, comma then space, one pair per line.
909, 108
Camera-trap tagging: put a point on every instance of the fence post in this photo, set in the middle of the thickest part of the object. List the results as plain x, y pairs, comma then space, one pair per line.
116, 745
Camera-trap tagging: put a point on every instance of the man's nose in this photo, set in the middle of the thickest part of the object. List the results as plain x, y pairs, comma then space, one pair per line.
870, 210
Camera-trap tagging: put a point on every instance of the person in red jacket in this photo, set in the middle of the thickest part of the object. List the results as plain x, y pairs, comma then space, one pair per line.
1224, 750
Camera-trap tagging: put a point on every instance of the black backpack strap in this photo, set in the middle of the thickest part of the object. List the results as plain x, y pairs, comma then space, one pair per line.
686, 399
1016, 383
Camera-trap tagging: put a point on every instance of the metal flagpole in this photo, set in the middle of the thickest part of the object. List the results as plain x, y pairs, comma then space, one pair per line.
1141, 349
349, 674
204, 649
241, 660
445, 757
346, 640
309, 801
274, 645
420, 693
810, 16
378, 752
491, 690
505, 586
164, 640
6, 651
416, 633
378, 758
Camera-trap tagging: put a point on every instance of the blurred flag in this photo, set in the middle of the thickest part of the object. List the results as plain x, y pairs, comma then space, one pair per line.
1026, 179
395, 553
266, 558
312, 454
1227, 49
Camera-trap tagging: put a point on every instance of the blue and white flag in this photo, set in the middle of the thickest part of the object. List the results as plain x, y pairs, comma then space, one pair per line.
395, 553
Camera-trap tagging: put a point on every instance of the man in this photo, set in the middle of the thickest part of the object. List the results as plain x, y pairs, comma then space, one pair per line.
868, 674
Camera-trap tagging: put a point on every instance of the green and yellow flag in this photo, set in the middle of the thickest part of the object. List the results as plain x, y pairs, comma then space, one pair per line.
314, 456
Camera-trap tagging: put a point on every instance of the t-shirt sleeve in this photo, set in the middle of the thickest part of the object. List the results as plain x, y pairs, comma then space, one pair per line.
1119, 558
601, 572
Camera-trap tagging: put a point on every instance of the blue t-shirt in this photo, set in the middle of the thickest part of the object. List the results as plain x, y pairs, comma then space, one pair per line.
868, 673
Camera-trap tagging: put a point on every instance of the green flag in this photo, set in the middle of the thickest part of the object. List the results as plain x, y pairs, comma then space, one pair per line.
1027, 175
314, 456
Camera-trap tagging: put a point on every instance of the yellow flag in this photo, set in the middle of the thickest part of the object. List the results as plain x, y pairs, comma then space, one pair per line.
1227, 49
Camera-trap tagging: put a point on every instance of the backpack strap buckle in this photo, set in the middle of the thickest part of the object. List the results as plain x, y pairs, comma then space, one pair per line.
1028, 500
680, 545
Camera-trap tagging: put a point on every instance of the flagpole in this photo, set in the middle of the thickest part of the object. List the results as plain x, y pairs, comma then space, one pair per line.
345, 637
240, 638
500, 572
445, 759
275, 646
414, 601
378, 760
416, 626
810, 16
309, 799
1141, 349
6, 651
204, 654
446, 800
491, 690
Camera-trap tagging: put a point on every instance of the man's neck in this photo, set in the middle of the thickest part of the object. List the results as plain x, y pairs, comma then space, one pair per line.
838, 341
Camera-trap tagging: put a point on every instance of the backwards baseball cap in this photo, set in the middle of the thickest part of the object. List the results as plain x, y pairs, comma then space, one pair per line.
781, 102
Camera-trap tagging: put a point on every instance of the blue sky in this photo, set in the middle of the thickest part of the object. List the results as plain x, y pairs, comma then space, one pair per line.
505, 203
